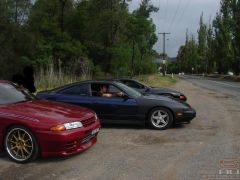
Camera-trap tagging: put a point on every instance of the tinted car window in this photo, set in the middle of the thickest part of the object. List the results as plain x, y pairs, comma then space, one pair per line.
10, 94
81, 90
111, 89
128, 90
132, 84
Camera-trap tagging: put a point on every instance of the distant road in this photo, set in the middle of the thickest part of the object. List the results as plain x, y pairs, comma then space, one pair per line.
225, 87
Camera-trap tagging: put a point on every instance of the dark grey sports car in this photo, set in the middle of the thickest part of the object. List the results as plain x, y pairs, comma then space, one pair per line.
122, 104
145, 89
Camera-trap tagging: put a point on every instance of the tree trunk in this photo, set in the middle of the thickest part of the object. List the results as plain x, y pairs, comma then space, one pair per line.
62, 6
133, 57
16, 12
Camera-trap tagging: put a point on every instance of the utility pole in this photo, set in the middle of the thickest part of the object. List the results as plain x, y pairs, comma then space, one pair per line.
164, 51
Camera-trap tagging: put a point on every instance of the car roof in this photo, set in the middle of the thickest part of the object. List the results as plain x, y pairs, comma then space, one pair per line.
83, 82
128, 79
95, 81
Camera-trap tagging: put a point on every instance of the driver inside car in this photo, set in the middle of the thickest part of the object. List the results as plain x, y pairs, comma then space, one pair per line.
104, 92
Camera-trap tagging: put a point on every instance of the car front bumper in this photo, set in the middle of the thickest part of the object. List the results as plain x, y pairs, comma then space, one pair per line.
185, 116
68, 142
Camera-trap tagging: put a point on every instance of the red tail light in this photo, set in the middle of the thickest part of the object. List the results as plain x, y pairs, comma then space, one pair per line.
182, 97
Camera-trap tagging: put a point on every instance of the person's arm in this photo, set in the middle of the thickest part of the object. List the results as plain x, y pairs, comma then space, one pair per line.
118, 94
107, 95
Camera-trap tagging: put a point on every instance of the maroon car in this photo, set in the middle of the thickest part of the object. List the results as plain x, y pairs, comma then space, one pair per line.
30, 127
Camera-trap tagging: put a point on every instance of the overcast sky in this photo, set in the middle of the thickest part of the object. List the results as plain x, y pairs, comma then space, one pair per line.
175, 16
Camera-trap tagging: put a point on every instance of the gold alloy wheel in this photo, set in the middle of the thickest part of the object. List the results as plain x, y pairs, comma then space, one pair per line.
19, 144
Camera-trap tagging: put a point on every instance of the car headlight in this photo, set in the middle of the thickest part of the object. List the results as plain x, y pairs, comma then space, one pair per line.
73, 125
67, 126
182, 97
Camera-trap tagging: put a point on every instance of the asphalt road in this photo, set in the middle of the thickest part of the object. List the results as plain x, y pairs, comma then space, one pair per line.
191, 151
225, 87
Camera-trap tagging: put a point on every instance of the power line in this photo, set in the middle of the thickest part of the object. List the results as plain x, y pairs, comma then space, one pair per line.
159, 13
184, 10
166, 14
175, 14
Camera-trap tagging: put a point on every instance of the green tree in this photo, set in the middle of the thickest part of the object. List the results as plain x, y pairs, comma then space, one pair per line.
141, 32
52, 42
68, 32
235, 7
188, 55
202, 45
16, 42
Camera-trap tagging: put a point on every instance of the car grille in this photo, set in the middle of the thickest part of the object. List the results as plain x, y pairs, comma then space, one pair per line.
88, 122
72, 146
87, 138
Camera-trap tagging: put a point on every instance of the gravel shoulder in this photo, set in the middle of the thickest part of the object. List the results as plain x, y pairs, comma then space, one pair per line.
189, 151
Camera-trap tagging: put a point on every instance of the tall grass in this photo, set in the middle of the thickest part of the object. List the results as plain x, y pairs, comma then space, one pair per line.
53, 77
157, 80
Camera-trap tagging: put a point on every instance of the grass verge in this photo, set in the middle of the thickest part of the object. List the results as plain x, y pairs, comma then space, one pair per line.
48, 81
157, 80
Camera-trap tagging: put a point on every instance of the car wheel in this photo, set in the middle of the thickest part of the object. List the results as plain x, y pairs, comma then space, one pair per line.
160, 118
20, 144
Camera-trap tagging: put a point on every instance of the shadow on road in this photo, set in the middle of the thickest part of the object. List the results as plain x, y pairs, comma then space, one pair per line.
123, 126
179, 126
40, 160
127, 126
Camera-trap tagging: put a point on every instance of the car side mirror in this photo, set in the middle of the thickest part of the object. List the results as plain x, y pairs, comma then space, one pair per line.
146, 89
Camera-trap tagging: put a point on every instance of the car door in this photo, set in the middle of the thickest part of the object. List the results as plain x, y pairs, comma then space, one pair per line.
115, 109
77, 94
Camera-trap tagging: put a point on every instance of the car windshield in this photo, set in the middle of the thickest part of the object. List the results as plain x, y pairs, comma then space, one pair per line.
128, 90
10, 94
147, 86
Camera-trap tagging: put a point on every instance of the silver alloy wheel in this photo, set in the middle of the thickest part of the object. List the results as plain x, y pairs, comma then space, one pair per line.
19, 144
160, 118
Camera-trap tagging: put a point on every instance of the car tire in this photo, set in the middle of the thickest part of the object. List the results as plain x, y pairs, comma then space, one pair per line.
160, 118
20, 144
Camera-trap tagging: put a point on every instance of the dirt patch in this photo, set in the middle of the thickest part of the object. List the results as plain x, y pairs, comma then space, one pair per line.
206, 127
222, 97
234, 110
148, 140
211, 93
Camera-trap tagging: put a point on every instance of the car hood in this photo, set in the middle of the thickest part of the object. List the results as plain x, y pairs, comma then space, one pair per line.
163, 100
157, 97
164, 90
43, 110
